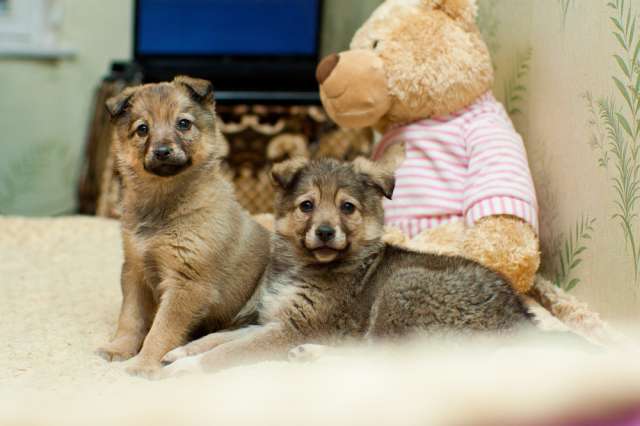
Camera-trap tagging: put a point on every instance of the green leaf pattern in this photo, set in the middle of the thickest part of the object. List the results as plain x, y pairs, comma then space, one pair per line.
616, 129
564, 7
514, 86
571, 254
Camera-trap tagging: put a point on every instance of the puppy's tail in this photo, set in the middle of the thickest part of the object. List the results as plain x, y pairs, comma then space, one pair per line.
556, 310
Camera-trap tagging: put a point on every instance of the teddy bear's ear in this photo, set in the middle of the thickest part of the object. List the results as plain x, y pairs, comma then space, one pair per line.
461, 10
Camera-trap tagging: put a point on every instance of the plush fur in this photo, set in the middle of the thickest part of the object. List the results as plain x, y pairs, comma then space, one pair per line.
415, 59
193, 256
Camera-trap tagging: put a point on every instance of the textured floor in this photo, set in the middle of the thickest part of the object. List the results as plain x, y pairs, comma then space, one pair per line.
59, 298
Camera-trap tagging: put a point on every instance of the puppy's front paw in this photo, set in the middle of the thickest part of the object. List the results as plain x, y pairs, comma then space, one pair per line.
143, 368
306, 353
182, 367
120, 349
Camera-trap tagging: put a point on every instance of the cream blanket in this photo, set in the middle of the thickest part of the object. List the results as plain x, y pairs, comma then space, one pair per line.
59, 299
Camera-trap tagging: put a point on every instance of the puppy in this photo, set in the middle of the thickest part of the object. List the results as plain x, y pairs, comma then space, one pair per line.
193, 256
332, 278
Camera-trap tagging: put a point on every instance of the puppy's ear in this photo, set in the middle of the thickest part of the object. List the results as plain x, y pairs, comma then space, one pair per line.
117, 105
200, 90
381, 173
285, 174
374, 176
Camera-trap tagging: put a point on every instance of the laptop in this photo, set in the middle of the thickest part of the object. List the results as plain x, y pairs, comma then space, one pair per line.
254, 51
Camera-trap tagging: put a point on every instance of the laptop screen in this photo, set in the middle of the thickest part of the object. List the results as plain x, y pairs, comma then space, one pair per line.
227, 27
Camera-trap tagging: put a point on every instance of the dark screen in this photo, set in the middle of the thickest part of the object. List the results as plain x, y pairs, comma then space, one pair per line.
227, 27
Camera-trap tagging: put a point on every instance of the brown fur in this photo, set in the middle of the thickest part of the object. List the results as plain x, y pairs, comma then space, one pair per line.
351, 285
193, 256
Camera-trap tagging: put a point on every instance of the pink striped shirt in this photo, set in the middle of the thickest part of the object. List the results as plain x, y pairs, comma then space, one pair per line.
464, 166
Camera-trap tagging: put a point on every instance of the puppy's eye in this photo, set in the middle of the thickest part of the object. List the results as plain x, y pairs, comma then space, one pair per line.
306, 206
142, 130
375, 43
347, 207
184, 124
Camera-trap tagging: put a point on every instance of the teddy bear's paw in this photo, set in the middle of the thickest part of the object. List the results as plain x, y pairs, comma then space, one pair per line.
266, 220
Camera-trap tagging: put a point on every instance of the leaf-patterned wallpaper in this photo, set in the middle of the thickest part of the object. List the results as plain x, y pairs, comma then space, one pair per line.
568, 73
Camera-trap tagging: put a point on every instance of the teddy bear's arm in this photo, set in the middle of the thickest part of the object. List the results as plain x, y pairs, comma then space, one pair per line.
506, 244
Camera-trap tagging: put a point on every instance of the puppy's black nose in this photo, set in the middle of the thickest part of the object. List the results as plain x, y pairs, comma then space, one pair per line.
325, 233
162, 152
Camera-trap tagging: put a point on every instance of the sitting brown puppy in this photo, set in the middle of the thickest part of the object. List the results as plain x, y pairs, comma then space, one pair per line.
331, 276
193, 256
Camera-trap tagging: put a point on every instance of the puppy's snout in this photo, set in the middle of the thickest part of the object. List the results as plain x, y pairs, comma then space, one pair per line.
325, 233
166, 159
162, 152
326, 67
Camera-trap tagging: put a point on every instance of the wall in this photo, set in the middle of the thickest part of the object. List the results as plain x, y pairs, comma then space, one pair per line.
341, 19
44, 108
564, 74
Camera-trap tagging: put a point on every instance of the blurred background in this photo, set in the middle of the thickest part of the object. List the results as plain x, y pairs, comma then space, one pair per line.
53, 57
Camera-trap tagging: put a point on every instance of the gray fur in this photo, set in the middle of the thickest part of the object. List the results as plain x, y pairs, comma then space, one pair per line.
388, 292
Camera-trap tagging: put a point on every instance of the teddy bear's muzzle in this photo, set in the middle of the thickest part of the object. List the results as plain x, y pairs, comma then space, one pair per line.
353, 88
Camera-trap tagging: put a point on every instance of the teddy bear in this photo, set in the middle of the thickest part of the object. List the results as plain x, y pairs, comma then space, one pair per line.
420, 74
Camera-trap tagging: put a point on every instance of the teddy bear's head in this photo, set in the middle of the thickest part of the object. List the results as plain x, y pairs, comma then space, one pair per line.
412, 59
